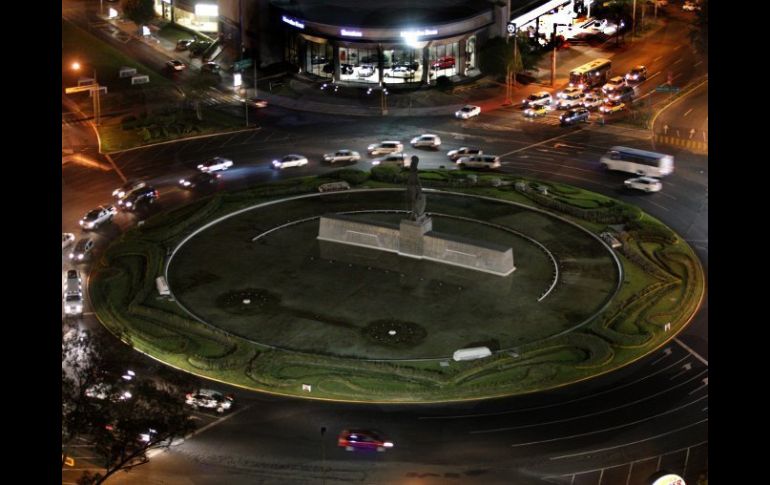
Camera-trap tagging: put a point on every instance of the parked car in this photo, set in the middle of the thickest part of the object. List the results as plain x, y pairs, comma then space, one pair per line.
82, 249
318, 60
443, 63
129, 186
537, 110
291, 160
366, 70
96, 217
468, 111
463, 152
184, 44
624, 93
385, 147
637, 74
257, 102
210, 399
573, 116
341, 156
198, 47
645, 184
540, 98
427, 140
199, 179
67, 238
612, 107
610, 239
359, 439
479, 161
614, 84
215, 164
211, 67
401, 159
145, 195
176, 65
400, 72
346, 69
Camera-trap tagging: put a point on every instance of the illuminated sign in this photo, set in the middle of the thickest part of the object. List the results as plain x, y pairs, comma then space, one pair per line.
207, 10
669, 479
237, 79
417, 33
292, 22
351, 33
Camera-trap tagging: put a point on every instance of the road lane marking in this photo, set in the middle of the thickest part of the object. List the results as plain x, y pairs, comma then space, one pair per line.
539, 143
657, 58
688, 112
653, 75
677, 61
639, 460
695, 354
697, 64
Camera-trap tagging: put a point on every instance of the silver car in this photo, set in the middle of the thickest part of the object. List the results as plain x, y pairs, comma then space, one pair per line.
342, 156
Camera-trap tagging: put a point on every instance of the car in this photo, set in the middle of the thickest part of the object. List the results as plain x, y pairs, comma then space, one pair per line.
612, 106
468, 111
342, 156
184, 44
537, 110
427, 140
570, 101
291, 160
316, 59
366, 70
96, 217
410, 64
359, 439
592, 102
479, 161
145, 195
112, 392
385, 147
443, 63
209, 399
82, 249
73, 302
540, 98
637, 74
198, 47
605, 27
659, 3
401, 159
67, 238
256, 102
690, 6
568, 91
574, 116
611, 240
624, 93
400, 71
328, 68
645, 184
613, 84
215, 164
199, 179
346, 69
211, 67
176, 65
73, 278
129, 186
463, 152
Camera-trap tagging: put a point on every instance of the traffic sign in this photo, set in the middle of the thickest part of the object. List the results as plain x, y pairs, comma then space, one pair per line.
665, 88
243, 64
511, 28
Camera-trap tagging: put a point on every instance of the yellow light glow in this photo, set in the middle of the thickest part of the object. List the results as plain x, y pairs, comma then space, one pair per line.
76, 65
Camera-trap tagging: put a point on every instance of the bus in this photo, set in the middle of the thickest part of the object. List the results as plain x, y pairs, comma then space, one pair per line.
594, 73
639, 162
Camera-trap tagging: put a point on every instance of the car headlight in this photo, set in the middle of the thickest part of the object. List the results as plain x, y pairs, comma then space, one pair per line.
388, 444
375, 162
80, 256
81, 222
128, 203
201, 167
72, 255
276, 163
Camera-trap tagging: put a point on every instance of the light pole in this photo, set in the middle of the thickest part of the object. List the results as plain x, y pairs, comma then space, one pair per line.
93, 88
510, 79
323, 455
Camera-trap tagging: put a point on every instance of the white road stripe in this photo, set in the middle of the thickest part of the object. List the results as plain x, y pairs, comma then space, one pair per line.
657, 58
653, 75
695, 354
538, 143
677, 61
688, 112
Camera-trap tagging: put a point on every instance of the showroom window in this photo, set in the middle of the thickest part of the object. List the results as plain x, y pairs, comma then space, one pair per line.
358, 64
470, 54
443, 59
402, 65
318, 60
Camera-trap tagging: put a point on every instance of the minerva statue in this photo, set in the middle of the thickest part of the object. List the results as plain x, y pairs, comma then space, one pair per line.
414, 192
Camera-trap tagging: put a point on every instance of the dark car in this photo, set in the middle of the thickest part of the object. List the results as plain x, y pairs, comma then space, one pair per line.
623, 94
574, 116
346, 68
211, 67
199, 180
197, 48
145, 195
184, 44
318, 60
328, 68
358, 439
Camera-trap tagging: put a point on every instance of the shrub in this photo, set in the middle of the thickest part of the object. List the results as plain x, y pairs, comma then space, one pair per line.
389, 173
349, 175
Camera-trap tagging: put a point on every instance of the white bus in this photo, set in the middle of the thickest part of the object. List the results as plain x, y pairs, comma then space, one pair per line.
640, 162
594, 73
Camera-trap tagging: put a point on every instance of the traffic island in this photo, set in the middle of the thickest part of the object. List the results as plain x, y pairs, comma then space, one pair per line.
259, 302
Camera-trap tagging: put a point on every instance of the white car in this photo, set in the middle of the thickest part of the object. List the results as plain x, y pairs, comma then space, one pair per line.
539, 98
645, 184
401, 71
690, 6
67, 238
366, 70
431, 141
291, 160
82, 249
385, 147
401, 159
97, 217
568, 91
592, 102
73, 293
215, 164
127, 188
468, 111
108, 391
209, 399
463, 152
479, 161
610, 239
570, 101
613, 84
342, 156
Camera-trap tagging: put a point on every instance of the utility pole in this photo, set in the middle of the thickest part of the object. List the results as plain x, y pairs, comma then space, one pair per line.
633, 22
240, 22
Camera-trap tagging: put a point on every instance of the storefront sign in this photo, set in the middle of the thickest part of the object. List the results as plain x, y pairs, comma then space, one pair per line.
292, 22
237, 80
351, 33
207, 10
411, 34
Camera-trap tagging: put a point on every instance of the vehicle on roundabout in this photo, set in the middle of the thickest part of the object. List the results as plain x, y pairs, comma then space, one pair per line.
359, 439
645, 184
215, 164
342, 156
385, 147
256, 102
463, 152
176, 65
210, 399
128, 187
199, 179
612, 107
592, 102
145, 195
637, 74
537, 110
539, 98
96, 217
427, 140
291, 160
573, 116
400, 159
67, 238
479, 161
82, 249
468, 111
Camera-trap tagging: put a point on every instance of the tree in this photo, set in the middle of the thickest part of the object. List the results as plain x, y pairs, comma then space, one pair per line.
618, 11
496, 55
700, 32
139, 11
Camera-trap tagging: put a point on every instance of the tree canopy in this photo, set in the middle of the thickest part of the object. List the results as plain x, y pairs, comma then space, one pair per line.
139, 11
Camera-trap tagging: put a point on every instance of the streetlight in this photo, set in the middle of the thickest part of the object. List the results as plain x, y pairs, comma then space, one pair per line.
93, 88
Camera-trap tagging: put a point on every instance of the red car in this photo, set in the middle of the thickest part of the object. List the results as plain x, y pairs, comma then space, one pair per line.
358, 439
444, 63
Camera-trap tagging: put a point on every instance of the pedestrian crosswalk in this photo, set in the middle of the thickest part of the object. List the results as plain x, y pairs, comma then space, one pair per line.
215, 97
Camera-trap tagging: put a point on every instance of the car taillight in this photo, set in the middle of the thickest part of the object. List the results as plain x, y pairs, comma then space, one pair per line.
188, 396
